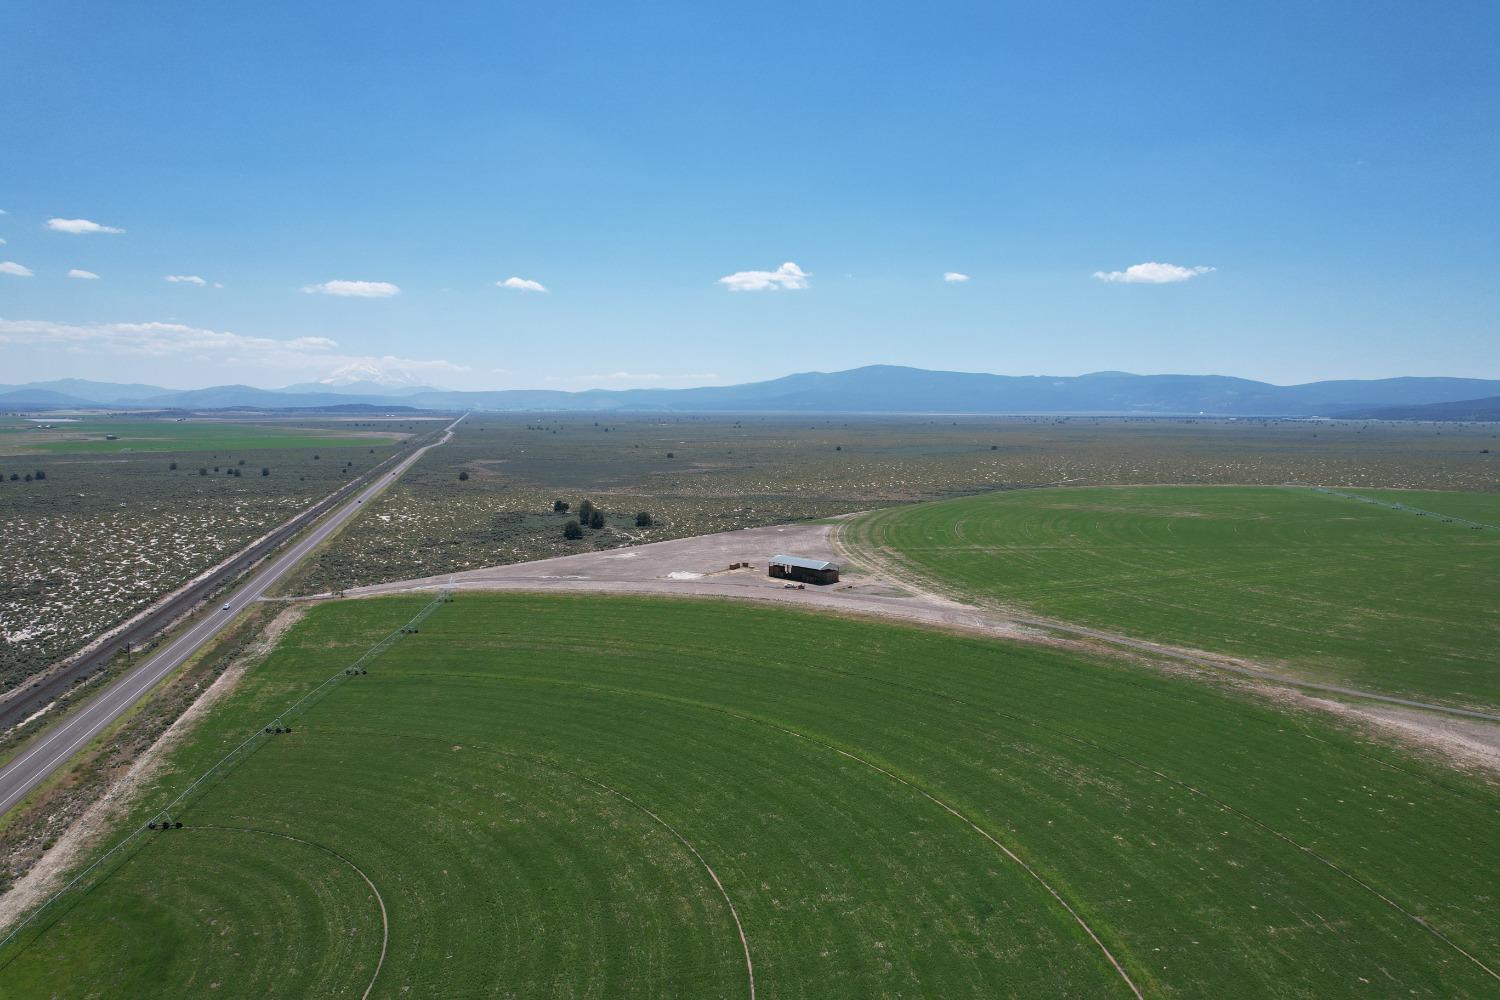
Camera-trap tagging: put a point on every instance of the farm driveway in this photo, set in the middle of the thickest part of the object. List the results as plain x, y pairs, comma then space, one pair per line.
699, 567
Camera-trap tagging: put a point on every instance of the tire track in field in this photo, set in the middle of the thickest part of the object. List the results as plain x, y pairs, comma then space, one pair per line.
950, 809
734, 912
1260, 824
385, 923
1115, 962
1100, 748
744, 941
1192, 789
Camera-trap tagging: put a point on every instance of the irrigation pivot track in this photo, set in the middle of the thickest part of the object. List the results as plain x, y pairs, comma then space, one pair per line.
52, 747
162, 818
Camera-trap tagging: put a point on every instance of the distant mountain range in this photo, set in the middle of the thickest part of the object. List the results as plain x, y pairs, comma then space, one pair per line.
1487, 409
873, 389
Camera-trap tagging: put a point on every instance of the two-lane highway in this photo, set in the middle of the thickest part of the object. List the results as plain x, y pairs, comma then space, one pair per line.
54, 746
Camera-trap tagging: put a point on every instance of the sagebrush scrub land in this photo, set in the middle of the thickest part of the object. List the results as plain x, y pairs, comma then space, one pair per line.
645, 797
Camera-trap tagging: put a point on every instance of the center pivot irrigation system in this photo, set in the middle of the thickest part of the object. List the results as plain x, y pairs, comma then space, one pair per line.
167, 817
1394, 505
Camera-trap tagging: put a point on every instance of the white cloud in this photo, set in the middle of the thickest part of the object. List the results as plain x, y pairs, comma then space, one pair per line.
79, 226
187, 279
2, 242
11, 267
79, 272
1152, 273
522, 285
955, 276
788, 276
165, 341
354, 289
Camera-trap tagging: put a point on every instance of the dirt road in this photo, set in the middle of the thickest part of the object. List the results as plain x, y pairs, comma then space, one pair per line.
699, 567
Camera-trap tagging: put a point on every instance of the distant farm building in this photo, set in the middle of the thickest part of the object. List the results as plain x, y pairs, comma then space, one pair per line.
804, 570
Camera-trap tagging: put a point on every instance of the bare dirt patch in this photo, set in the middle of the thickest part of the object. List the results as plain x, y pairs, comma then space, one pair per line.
880, 587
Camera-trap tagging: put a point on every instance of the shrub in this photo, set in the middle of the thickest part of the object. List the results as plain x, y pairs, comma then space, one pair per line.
573, 530
643, 519
585, 511
202, 470
559, 506
596, 520
463, 476
173, 467
40, 475
265, 470
670, 455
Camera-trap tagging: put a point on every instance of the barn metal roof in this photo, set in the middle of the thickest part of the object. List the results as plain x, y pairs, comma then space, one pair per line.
801, 563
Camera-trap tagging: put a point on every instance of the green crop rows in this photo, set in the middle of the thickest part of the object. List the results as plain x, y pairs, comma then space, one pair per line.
539, 787
1335, 589
725, 473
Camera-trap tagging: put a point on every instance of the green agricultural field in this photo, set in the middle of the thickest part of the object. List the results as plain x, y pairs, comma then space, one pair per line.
1336, 589
702, 474
93, 437
583, 796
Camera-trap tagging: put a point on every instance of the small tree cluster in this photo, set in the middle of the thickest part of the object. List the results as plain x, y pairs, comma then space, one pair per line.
572, 531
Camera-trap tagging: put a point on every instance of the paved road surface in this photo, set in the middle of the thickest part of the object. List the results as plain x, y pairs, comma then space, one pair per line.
55, 745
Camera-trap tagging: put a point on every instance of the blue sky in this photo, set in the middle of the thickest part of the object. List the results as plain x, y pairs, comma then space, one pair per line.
1335, 165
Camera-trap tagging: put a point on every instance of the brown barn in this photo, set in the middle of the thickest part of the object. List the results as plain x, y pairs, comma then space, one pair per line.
802, 570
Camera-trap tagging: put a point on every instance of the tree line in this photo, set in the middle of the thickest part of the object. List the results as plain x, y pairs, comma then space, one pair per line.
591, 516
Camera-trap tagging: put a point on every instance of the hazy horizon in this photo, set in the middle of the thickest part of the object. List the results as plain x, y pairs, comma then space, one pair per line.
396, 388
